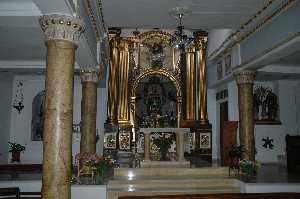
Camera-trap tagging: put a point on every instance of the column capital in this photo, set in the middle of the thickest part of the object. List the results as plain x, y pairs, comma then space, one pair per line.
89, 75
61, 27
244, 77
200, 40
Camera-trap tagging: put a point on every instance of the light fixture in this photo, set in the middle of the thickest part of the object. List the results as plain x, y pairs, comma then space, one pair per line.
179, 39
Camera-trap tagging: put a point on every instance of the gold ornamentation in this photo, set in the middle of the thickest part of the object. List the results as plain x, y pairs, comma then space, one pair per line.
155, 36
61, 27
148, 72
89, 75
244, 77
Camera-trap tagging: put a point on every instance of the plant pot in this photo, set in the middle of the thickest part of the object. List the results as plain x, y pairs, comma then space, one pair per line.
15, 156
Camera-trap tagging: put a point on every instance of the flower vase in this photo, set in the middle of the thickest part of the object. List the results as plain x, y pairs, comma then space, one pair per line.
15, 156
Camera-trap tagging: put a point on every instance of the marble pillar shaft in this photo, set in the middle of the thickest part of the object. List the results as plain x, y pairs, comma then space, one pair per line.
57, 135
62, 33
113, 81
88, 117
245, 98
147, 146
123, 72
180, 146
190, 89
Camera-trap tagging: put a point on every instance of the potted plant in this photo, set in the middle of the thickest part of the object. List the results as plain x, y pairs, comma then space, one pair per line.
235, 154
15, 150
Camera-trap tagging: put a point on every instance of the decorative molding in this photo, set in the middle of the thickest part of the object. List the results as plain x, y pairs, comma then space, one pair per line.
241, 35
277, 45
244, 77
89, 75
89, 10
62, 27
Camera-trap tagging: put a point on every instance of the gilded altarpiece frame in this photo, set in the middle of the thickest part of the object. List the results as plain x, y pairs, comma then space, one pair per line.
154, 56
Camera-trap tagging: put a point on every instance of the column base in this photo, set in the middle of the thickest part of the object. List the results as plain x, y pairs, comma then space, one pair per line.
163, 164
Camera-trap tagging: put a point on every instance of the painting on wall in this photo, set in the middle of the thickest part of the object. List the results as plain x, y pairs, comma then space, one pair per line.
37, 122
266, 106
219, 70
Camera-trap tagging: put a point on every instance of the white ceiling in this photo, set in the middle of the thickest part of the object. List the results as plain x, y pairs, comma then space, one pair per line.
206, 14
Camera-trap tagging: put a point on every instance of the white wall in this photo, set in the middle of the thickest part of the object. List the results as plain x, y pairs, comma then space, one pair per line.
20, 130
289, 105
6, 81
216, 38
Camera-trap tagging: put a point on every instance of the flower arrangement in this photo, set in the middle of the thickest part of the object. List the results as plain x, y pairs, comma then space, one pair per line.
14, 147
164, 145
96, 165
248, 167
235, 154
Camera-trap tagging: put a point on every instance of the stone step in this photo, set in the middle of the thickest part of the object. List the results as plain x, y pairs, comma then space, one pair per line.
166, 172
141, 192
184, 183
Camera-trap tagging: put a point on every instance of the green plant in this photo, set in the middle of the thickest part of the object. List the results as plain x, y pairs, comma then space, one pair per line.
236, 151
163, 144
248, 167
14, 147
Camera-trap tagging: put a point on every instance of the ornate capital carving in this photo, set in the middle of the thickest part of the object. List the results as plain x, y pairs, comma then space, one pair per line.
89, 75
200, 40
61, 27
244, 77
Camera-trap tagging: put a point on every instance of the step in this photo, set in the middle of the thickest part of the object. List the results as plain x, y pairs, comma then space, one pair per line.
173, 184
148, 172
142, 192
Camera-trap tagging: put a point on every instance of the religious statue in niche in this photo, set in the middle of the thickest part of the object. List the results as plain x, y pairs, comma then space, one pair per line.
156, 103
268, 143
265, 105
37, 122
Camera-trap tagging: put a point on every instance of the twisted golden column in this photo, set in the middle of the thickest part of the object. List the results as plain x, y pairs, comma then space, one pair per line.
112, 101
189, 100
200, 44
123, 72
244, 81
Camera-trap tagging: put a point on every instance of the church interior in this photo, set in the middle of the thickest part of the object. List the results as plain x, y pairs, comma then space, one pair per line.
153, 99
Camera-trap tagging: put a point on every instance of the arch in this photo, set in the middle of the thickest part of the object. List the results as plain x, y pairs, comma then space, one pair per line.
162, 72
147, 73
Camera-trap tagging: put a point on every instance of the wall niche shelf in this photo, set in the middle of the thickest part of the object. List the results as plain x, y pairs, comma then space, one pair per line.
267, 122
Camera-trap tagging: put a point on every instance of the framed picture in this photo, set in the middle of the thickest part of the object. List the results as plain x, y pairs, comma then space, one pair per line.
219, 70
227, 61
124, 140
205, 140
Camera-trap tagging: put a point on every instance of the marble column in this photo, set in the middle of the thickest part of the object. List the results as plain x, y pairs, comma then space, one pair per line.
147, 146
89, 79
244, 81
62, 34
180, 146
